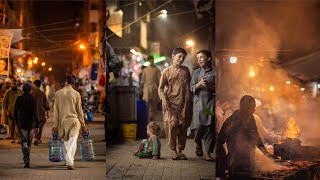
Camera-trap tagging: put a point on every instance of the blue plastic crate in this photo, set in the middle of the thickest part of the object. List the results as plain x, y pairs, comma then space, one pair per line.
142, 112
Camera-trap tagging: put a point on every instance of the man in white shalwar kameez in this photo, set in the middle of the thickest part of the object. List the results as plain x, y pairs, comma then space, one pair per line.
68, 118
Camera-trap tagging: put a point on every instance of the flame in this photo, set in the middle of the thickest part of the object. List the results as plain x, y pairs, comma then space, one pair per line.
293, 129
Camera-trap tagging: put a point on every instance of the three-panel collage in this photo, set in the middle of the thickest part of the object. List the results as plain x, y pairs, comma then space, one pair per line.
159, 89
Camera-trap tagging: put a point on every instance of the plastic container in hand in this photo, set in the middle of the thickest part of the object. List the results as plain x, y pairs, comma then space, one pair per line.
56, 149
86, 148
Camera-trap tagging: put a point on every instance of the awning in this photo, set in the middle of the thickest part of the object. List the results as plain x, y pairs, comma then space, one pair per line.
15, 53
17, 35
305, 68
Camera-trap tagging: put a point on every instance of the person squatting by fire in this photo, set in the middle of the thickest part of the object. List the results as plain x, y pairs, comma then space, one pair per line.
241, 136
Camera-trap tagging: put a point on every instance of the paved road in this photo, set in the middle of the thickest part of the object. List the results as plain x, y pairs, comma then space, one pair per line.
121, 164
11, 163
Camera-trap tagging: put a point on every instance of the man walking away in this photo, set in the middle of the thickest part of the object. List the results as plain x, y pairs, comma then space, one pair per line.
27, 121
67, 118
149, 86
42, 108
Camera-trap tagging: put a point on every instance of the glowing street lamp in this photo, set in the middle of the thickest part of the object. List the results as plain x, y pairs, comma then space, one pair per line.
82, 46
233, 59
163, 13
190, 43
251, 72
43, 64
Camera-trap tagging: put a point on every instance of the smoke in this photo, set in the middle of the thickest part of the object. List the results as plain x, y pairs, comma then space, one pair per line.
266, 164
263, 35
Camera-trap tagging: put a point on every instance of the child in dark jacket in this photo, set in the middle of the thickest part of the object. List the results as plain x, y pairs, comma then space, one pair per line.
27, 121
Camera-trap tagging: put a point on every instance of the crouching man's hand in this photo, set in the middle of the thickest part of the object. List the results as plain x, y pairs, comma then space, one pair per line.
271, 156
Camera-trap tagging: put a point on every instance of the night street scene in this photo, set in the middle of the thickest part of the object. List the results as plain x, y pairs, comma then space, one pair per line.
159, 89
42, 44
150, 131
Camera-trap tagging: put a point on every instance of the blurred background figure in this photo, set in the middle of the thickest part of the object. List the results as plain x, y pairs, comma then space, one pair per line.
149, 87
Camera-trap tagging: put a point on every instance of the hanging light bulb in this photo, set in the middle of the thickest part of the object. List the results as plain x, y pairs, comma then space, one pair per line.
233, 59
251, 72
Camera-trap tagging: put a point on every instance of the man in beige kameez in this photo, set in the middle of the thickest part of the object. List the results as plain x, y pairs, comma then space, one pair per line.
9, 102
176, 101
149, 86
67, 118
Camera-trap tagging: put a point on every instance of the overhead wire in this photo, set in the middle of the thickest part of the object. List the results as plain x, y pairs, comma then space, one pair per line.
55, 29
169, 15
49, 24
196, 29
49, 40
155, 9
125, 6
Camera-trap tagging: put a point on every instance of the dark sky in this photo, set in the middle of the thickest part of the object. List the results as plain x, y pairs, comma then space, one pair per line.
55, 29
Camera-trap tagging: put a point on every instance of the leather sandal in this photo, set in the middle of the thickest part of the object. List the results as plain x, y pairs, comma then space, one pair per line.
199, 151
208, 158
175, 156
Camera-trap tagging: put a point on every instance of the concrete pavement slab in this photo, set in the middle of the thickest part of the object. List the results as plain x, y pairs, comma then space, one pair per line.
11, 164
122, 164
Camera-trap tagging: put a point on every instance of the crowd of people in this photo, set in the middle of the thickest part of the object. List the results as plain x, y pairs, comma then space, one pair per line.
188, 102
25, 107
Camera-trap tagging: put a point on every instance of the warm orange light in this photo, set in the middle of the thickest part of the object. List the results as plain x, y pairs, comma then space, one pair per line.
82, 46
293, 129
288, 82
43, 64
189, 43
35, 61
18, 70
271, 88
50, 69
251, 72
